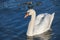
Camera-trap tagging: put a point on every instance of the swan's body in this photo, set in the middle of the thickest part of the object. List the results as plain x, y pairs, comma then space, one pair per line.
39, 24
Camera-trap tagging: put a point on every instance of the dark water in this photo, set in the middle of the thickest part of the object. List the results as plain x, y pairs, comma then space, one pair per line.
13, 26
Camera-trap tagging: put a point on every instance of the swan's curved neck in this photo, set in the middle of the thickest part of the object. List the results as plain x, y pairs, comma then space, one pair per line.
31, 25
33, 16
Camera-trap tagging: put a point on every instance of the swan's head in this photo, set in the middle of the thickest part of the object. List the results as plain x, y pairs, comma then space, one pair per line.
30, 12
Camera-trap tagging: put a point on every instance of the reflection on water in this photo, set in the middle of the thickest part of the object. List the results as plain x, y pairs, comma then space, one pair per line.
45, 36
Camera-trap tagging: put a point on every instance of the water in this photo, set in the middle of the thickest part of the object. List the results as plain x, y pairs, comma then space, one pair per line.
13, 26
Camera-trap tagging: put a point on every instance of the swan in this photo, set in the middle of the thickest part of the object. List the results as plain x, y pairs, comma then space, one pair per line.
38, 24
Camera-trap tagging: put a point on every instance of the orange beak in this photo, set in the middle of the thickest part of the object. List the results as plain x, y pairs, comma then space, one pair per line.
26, 15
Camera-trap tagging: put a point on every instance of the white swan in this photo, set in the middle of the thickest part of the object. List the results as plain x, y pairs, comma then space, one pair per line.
39, 24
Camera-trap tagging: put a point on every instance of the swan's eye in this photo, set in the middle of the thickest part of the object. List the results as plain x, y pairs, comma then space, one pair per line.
27, 13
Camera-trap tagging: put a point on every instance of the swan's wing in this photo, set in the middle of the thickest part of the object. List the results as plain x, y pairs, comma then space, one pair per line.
51, 18
44, 25
39, 18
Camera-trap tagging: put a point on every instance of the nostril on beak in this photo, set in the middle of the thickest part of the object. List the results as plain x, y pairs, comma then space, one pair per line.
26, 15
